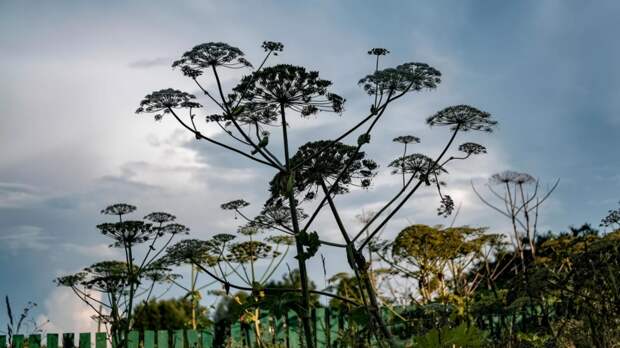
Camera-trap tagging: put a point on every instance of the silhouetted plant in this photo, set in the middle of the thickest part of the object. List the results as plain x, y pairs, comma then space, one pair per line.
320, 170
119, 284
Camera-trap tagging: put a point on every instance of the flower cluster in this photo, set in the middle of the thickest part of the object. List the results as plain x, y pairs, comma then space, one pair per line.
404, 78
463, 117
287, 86
509, 176
417, 164
163, 101
211, 54
472, 148
322, 161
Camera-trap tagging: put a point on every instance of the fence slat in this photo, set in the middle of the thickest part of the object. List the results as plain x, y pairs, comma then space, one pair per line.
162, 339
133, 339
101, 340
149, 339
2, 341
320, 328
84, 340
68, 340
207, 339
192, 339
34, 341
177, 337
294, 332
18, 341
52, 341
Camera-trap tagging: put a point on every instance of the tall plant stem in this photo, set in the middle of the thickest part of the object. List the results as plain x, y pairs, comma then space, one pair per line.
303, 272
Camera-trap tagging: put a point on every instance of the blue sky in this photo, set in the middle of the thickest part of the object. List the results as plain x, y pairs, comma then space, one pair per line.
73, 73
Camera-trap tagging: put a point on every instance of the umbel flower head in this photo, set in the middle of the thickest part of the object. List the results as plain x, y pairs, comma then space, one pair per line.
416, 164
472, 148
511, 177
290, 86
163, 101
463, 117
211, 54
406, 77
248, 251
378, 52
234, 205
160, 217
118, 209
272, 46
192, 250
326, 166
406, 139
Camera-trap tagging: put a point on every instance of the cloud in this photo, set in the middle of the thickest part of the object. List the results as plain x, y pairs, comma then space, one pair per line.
150, 63
67, 313
15, 195
25, 237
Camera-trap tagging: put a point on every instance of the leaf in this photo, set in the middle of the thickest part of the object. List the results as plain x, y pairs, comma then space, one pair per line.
363, 139
311, 243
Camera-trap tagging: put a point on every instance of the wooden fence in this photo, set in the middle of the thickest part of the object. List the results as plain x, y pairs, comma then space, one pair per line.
284, 331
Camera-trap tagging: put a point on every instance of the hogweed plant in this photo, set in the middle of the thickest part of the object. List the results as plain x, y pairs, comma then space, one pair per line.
112, 288
311, 178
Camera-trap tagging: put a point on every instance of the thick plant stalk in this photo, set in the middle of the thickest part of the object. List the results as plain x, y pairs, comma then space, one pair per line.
303, 272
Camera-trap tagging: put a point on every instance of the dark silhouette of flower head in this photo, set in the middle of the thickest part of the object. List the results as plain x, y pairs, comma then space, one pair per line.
406, 77
249, 230
234, 205
272, 46
248, 251
378, 52
290, 87
406, 139
211, 54
612, 219
163, 101
127, 232
513, 177
463, 117
281, 240
223, 238
160, 217
192, 250
447, 206
326, 166
472, 148
416, 164
174, 229
118, 209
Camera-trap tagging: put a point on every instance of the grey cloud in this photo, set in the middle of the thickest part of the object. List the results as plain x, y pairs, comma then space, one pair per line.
150, 63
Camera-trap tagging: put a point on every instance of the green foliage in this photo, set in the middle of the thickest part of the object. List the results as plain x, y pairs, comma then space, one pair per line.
172, 314
450, 337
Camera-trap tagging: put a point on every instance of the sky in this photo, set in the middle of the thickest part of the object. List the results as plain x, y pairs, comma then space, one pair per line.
74, 72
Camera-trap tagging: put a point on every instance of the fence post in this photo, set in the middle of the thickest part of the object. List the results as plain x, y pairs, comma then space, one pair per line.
177, 337
18, 341
162, 339
52, 341
84, 340
101, 340
34, 341
68, 340
149, 339
207, 339
192, 339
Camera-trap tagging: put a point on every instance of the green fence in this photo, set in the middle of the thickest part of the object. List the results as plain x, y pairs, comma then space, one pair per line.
282, 331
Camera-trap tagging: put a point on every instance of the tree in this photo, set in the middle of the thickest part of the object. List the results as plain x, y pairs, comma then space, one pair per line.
320, 170
172, 314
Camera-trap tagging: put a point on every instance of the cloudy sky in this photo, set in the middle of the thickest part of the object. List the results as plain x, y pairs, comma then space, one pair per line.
74, 72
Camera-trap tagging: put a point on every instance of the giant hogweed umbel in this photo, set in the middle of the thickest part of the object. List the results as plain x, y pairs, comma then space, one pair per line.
311, 178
